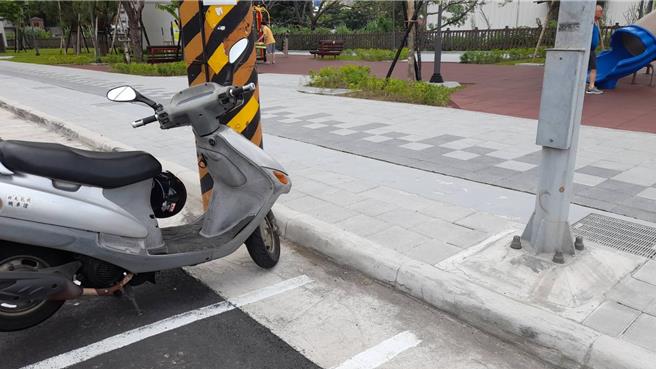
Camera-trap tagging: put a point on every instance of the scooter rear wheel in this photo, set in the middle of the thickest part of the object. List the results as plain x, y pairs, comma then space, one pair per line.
264, 244
13, 257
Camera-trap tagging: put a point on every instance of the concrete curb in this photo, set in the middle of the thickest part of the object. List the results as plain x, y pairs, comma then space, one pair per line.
556, 340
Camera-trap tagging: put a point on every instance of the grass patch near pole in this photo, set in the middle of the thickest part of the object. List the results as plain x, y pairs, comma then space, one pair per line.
365, 85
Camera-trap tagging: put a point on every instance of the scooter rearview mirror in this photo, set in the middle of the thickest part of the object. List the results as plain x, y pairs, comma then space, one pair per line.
122, 94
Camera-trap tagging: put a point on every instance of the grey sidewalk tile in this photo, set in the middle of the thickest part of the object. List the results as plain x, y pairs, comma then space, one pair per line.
593, 202
416, 146
397, 238
532, 158
477, 163
363, 225
640, 203
615, 197
355, 186
432, 251
479, 150
649, 193
588, 180
611, 318
442, 139
485, 222
492, 173
372, 207
450, 233
647, 273
377, 138
649, 216
612, 165
338, 197
404, 217
461, 155
515, 165
461, 144
651, 308
447, 212
641, 332
313, 116
332, 213
307, 204
638, 175
620, 186
397, 197
633, 293
599, 172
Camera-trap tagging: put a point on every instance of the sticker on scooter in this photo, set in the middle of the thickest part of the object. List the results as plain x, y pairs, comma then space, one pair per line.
18, 202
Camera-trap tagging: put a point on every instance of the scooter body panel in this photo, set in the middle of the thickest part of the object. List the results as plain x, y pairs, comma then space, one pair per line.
38, 199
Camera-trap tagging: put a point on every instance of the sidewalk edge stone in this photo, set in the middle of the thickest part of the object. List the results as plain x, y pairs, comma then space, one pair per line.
557, 340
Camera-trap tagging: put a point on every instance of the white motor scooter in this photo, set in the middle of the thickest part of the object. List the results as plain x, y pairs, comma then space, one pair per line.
76, 222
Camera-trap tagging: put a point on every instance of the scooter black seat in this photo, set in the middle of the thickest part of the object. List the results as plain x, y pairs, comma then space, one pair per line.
100, 169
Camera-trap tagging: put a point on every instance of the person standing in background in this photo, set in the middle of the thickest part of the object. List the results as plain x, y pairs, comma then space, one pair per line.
592, 64
269, 41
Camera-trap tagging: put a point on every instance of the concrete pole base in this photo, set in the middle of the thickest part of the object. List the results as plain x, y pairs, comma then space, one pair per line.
544, 236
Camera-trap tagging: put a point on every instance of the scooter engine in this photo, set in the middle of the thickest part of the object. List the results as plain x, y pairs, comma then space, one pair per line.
168, 195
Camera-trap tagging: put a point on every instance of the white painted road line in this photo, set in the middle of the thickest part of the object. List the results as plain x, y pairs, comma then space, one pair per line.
138, 334
382, 352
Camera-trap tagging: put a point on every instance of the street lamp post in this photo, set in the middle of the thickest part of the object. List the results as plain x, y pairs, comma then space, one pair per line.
437, 76
561, 106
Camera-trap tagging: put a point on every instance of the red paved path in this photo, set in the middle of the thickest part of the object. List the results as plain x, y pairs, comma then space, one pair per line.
512, 90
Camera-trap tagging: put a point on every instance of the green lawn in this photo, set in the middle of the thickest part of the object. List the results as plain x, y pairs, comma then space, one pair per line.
57, 57
50, 56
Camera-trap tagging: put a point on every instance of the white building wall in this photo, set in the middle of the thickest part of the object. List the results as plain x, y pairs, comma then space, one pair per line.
496, 14
157, 23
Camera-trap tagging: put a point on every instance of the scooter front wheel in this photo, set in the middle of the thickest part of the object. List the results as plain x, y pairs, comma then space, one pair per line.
19, 316
264, 244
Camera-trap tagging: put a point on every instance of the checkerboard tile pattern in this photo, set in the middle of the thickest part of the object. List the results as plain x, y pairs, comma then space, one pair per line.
606, 185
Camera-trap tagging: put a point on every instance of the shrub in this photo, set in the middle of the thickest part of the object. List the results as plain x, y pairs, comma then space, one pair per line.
372, 54
143, 69
497, 56
359, 78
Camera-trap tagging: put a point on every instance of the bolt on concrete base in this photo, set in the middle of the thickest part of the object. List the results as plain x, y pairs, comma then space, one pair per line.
516, 243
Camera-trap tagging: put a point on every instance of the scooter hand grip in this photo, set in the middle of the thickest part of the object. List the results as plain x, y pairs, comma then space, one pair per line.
144, 121
238, 91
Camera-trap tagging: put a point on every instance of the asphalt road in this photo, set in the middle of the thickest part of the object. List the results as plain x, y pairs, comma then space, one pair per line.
228, 340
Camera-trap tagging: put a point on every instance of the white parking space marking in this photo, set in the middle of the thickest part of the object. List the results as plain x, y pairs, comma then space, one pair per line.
127, 338
382, 352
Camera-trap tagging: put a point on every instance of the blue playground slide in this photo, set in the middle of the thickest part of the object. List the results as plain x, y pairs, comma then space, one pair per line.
632, 48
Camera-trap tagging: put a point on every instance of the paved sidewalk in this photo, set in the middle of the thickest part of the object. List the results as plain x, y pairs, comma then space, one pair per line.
511, 90
438, 220
615, 170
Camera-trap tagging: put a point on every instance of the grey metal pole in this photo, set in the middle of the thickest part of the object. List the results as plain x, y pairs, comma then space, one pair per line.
561, 107
437, 62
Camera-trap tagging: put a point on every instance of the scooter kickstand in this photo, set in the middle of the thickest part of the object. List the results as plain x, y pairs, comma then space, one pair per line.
128, 292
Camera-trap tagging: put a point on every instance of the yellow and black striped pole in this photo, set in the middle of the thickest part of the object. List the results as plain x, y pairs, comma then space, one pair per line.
208, 32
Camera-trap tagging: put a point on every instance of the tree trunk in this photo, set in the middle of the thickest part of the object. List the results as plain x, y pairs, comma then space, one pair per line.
135, 38
133, 9
411, 40
77, 35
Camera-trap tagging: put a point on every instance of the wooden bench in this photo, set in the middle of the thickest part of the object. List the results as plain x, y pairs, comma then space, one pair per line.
328, 47
163, 54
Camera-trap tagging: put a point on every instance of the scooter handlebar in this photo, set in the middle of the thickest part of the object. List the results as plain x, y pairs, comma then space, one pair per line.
238, 91
144, 121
